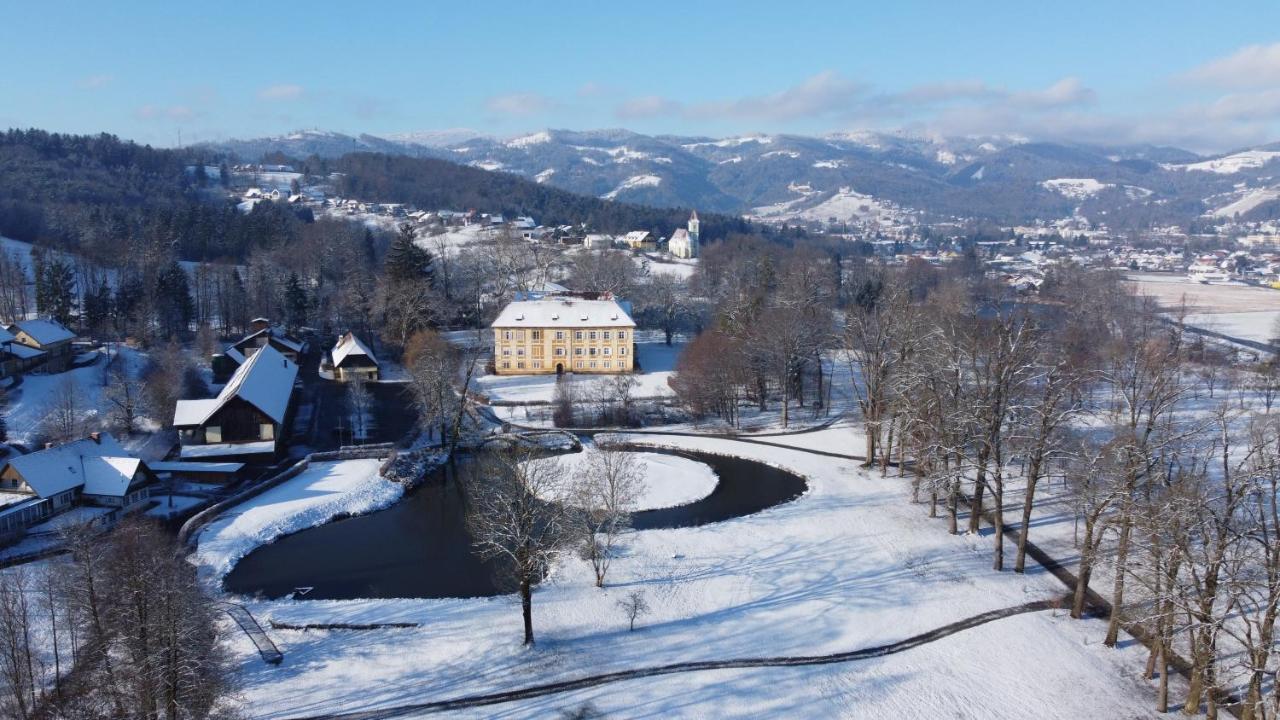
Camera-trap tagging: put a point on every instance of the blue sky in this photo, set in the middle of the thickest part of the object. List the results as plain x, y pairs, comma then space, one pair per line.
1202, 75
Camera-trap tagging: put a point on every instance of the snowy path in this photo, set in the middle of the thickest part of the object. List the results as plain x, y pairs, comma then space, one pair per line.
593, 681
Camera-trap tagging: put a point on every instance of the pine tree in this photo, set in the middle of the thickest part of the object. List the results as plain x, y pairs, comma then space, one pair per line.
173, 300
58, 291
295, 303
408, 261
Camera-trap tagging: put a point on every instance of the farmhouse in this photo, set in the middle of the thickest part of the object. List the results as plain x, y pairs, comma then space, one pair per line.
95, 471
16, 357
586, 333
248, 418
262, 335
49, 337
351, 358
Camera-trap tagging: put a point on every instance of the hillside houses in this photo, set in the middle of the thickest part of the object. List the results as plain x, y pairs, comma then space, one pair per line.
95, 472
249, 416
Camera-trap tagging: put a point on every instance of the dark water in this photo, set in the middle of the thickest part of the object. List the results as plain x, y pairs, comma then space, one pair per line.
420, 548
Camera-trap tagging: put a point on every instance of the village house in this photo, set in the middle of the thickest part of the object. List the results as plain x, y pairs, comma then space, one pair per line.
597, 241
640, 240
49, 337
350, 358
684, 243
95, 471
248, 418
261, 334
582, 333
15, 357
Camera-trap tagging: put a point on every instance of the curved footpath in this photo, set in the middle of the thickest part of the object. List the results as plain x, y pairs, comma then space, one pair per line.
535, 691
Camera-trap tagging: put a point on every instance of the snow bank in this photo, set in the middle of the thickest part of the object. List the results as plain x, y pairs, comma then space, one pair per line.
669, 480
323, 491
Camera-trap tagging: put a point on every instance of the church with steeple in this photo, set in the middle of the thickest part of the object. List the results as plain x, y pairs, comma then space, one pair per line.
684, 243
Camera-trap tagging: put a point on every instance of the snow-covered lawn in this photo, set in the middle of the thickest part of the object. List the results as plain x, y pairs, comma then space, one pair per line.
657, 361
318, 494
848, 565
38, 395
669, 480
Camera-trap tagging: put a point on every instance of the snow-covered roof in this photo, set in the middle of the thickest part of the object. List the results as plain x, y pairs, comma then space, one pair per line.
636, 236
45, 332
274, 333
196, 467
193, 412
109, 475
349, 345
55, 470
563, 312
261, 447
265, 381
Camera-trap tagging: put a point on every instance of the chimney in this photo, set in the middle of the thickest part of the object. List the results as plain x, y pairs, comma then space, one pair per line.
96, 438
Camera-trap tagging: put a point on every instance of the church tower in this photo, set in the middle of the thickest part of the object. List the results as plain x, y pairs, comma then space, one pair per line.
693, 234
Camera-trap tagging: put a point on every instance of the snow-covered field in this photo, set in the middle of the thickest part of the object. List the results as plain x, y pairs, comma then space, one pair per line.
1257, 326
669, 480
1246, 202
1230, 164
1075, 188
320, 493
844, 205
848, 565
631, 183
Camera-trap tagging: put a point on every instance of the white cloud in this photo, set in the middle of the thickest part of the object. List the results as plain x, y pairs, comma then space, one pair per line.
823, 94
1250, 66
1067, 92
282, 92
521, 104
647, 107
1262, 105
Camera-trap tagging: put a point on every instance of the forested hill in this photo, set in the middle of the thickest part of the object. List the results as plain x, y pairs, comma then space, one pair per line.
117, 201
439, 184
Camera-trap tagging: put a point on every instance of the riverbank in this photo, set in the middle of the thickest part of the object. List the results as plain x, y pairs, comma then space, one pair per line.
847, 565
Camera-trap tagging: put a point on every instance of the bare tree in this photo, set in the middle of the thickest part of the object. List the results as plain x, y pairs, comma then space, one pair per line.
440, 379
65, 420
510, 523
359, 404
605, 493
633, 606
125, 393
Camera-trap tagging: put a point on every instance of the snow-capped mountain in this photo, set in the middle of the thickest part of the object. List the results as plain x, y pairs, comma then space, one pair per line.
800, 177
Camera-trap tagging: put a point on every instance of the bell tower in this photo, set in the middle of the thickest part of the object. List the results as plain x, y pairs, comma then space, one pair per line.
693, 234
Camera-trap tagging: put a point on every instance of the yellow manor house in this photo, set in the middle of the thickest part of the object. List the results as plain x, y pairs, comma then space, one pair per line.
563, 333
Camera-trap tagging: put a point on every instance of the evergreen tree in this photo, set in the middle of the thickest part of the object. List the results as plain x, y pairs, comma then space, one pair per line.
406, 260
173, 300
55, 296
295, 303
97, 307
